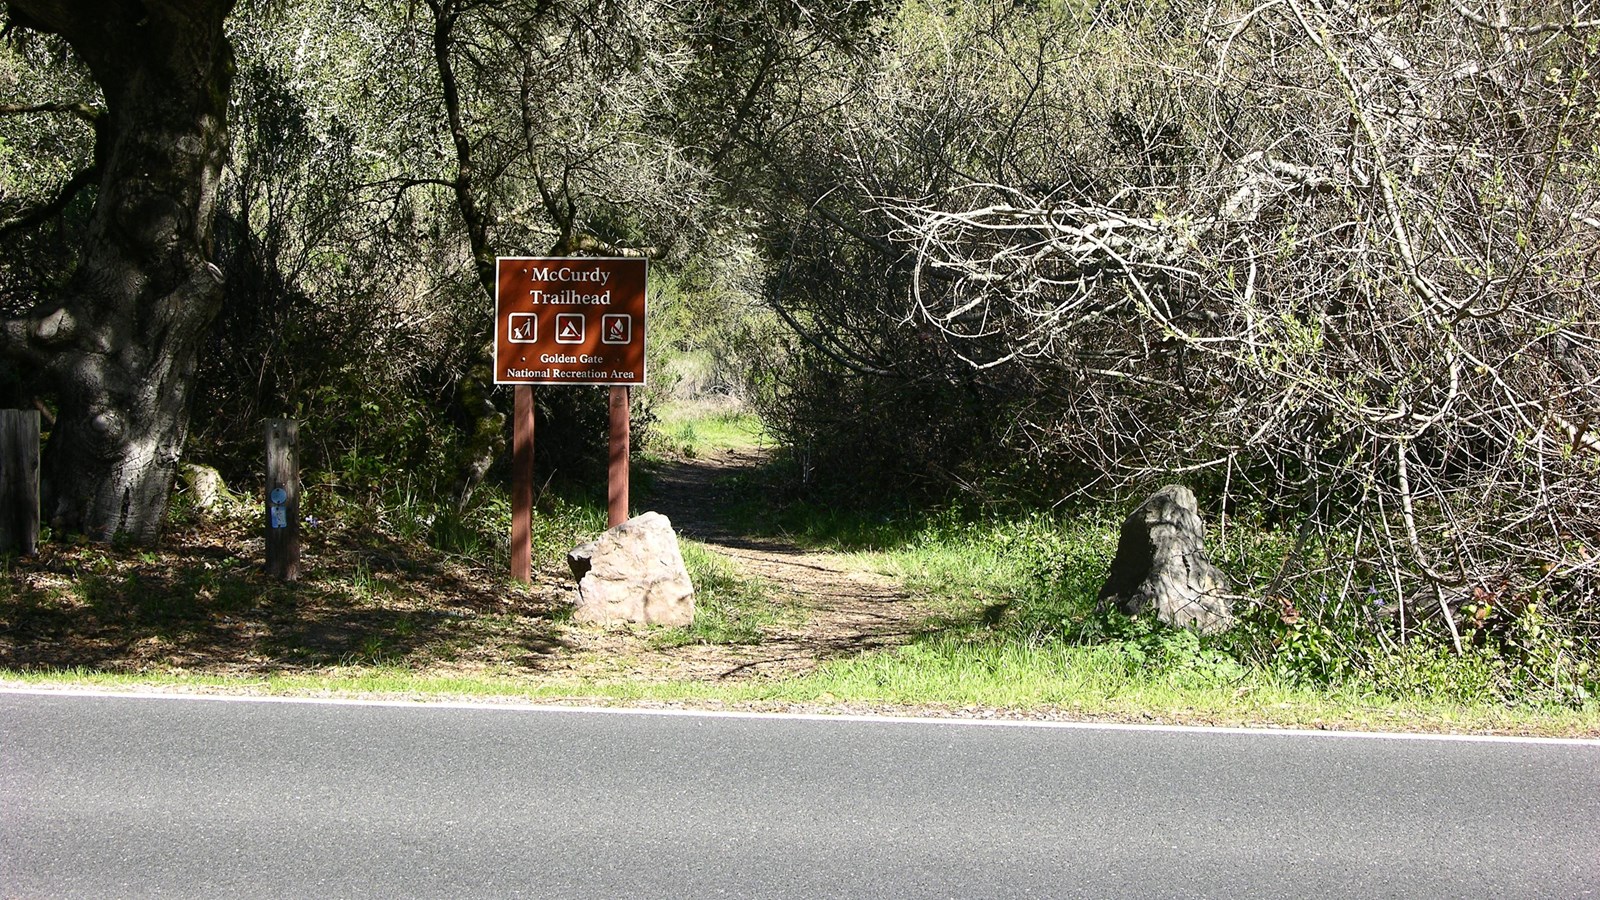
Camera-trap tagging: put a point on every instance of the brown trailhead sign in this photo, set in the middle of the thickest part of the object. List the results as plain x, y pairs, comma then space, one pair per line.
569, 321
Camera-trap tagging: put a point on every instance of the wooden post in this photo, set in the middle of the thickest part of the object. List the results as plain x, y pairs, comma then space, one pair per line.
522, 483
617, 483
283, 499
19, 481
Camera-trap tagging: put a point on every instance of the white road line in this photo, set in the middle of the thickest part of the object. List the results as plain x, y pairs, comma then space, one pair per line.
803, 717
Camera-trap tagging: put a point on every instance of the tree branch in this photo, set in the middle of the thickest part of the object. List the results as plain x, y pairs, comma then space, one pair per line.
53, 207
446, 13
1482, 21
589, 243
81, 110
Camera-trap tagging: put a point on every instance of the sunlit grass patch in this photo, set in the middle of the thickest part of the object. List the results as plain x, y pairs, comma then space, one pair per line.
1107, 682
1023, 587
730, 608
986, 682
699, 428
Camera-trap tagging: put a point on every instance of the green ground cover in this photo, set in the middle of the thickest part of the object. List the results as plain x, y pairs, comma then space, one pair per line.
1017, 622
410, 601
695, 429
729, 607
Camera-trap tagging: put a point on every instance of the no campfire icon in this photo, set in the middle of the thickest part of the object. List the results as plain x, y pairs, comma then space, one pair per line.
616, 329
569, 328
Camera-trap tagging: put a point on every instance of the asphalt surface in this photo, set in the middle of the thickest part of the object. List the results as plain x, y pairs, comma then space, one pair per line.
154, 797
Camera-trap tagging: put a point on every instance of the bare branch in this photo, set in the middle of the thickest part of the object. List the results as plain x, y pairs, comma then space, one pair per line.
51, 208
1369, 277
90, 114
1483, 21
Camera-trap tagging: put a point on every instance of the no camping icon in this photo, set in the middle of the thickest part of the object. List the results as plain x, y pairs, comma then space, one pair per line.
569, 328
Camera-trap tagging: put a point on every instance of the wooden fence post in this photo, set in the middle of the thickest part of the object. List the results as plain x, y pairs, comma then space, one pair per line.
19, 481
283, 499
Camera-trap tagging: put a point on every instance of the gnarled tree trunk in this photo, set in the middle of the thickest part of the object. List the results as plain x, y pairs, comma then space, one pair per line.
119, 347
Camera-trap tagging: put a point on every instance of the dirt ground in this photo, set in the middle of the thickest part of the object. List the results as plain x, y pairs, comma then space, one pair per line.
836, 610
200, 604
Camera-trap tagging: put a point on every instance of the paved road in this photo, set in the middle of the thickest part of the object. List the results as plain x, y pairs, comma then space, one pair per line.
128, 797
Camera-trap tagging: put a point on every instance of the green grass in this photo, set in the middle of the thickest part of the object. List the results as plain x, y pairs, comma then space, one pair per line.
695, 429
1016, 624
1013, 629
1100, 682
995, 682
730, 608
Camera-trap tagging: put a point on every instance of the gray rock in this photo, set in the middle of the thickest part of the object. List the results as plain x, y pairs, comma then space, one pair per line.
1161, 565
633, 573
207, 491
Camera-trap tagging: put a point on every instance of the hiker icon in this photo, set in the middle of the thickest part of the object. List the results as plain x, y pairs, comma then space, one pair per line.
524, 327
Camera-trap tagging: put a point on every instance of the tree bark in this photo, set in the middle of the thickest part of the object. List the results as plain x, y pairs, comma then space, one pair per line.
486, 433
119, 346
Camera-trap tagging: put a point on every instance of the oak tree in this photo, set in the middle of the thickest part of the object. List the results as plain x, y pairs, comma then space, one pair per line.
117, 348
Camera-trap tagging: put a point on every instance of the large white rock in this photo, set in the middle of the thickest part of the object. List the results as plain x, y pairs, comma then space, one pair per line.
633, 573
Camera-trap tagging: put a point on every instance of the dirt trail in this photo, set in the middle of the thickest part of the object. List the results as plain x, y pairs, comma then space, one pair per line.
838, 610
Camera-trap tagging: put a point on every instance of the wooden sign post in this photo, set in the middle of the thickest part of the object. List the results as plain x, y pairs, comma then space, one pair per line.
522, 483
19, 481
568, 321
283, 499
617, 471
